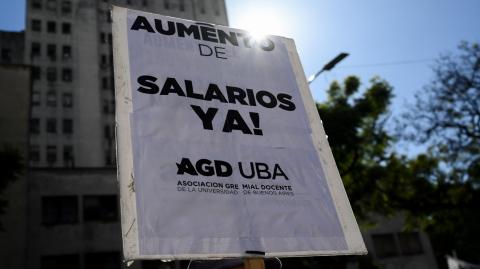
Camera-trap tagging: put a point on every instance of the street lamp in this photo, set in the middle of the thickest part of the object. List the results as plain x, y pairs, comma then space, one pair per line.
329, 66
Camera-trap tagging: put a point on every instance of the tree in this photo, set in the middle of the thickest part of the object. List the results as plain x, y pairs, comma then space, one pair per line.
446, 114
446, 118
11, 166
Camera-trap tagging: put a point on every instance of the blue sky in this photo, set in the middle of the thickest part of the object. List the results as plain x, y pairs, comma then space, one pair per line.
372, 31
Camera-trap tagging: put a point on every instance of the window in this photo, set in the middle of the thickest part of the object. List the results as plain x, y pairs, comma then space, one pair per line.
166, 4
105, 106
67, 74
51, 27
36, 98
109, 38
66, 7
67, 126
52, 99
410, 243
52, 52
104, 61
71, 261
6, 55
34, 126
68, 156
36, 50
145, 3
129, 2
67, 100
36, 4
105, 85
103, 38
66, 52
51, 125
59, 210
36, 25
100, 208
66, 28
51, 155
51, 74
52, 5
36, 73
34, 154
104, 260
106, 131
384, 245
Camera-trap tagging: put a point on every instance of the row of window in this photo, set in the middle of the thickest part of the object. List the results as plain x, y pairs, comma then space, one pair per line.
51, 27
104, 260
396, 244
51, 155
51, 99
52, 5
65, 209
51, 126
51, 74
51, 51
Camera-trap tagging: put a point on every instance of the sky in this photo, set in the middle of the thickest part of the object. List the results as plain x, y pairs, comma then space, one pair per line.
395, 40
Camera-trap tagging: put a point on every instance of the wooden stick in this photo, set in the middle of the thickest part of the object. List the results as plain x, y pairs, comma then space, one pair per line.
254, 263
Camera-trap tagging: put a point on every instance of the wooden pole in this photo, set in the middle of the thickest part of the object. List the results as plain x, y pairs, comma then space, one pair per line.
254, 263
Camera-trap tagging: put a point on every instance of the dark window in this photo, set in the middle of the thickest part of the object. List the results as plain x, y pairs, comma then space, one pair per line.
34, 126
67, 100
410, 243
6, 55
51, 74
103, 260
51, 125
51, 155
70, 261
108, 16
104, 61
34, 153
36, 49
51, 27
66, 28
105, 83
36, 98
384, 245
36, 25
52, 52
52, 5
52, 99
109, 38
66, 52
66, 7
106, 131
67, 74
100, 208
36, 74
36, 4
166, 4
103, 38
145, 3
68, 156
129, 2
105, 106
59, 210
67, 126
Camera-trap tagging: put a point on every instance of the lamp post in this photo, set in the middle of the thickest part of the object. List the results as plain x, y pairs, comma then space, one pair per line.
329, 66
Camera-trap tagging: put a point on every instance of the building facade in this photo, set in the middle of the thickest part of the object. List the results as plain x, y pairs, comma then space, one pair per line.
73, 209
69, 45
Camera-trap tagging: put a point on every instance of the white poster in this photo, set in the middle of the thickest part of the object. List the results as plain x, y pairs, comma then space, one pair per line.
217, 150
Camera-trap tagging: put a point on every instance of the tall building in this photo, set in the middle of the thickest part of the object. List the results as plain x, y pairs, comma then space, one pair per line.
73, 214
69, 45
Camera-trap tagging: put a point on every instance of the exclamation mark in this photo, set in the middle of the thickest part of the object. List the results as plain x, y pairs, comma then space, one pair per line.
256, 123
